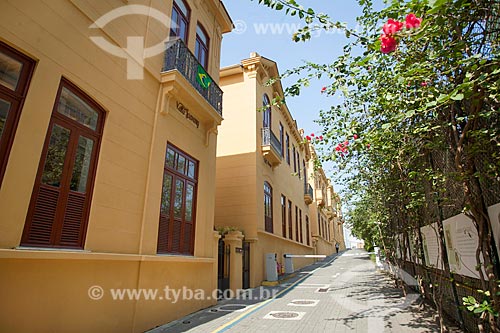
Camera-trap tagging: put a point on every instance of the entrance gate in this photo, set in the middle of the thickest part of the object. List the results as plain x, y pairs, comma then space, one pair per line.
223, 267
246, 265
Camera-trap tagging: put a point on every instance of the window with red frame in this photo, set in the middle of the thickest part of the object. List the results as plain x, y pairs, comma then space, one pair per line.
180, 20
61, 198
201, 46
15, 75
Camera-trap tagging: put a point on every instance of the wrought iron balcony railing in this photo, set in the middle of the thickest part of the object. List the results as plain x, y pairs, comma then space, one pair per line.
308, 193
308, 190
179, 57
268, 138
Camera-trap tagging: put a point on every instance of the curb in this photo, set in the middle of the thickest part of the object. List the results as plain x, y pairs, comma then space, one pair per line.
275, 283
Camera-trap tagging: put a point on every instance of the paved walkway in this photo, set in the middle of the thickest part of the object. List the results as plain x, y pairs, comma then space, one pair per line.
342, 293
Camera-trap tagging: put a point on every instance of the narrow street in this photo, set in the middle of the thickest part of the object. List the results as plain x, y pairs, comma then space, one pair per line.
343, 293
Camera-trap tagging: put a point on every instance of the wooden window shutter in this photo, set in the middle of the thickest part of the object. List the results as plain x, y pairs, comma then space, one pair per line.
61, 199
176, 227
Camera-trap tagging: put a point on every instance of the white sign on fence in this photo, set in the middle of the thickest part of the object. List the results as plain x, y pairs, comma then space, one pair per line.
494, 212
430, 236
461, 239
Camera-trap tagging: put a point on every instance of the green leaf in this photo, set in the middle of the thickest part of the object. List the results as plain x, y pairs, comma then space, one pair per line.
435, 6
442, 98
410, 113
457, 97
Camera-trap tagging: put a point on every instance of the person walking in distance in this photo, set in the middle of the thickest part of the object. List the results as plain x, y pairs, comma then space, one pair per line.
337, 247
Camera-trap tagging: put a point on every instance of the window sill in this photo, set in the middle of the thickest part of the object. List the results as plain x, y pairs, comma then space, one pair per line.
69, 254
50, 249
284, 239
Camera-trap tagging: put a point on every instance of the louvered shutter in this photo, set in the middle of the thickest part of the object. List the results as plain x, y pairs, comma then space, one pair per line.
61, 198
178, 203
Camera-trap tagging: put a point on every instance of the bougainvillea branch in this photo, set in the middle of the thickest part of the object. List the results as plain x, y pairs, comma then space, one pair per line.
418, 122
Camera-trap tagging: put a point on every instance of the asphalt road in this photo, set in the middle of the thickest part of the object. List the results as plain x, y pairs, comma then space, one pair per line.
343, 293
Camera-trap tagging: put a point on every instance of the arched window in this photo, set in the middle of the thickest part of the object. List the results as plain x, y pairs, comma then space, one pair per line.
268, 207
180, 20
301, 227
287, 143
60, 203
307, 230
283, 216
282, 140
15, 75
266, 103
296, 223
202, 46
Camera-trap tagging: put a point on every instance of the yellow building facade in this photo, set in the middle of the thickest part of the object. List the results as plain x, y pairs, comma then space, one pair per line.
263, 184
327, 231
107, 160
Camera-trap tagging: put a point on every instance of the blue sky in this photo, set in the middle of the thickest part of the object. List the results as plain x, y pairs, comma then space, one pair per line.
269, 33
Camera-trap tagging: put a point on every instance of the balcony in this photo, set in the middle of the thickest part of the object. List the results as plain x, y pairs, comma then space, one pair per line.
320, 197
271, 147
330, 212
308, 194
179, 57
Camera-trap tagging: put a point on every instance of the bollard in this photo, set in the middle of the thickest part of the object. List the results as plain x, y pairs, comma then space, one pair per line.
271, 272
288, 264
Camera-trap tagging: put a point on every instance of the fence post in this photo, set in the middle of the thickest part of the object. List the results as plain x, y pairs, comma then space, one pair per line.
493, 249
444, 254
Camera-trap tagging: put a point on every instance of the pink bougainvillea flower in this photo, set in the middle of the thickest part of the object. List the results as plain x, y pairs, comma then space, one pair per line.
412, 21
368, 146
355, 136
308, 138
312, 134
346, 143
388, 44
392, 26
321, 137
423, 84
338, 148
323, 89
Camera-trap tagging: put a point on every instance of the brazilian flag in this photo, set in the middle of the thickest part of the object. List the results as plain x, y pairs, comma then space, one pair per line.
203, 78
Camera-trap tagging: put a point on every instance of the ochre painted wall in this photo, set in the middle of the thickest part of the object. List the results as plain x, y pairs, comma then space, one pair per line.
236, 193
242, 169
269, 243
49, 293
46, 290
238, 136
